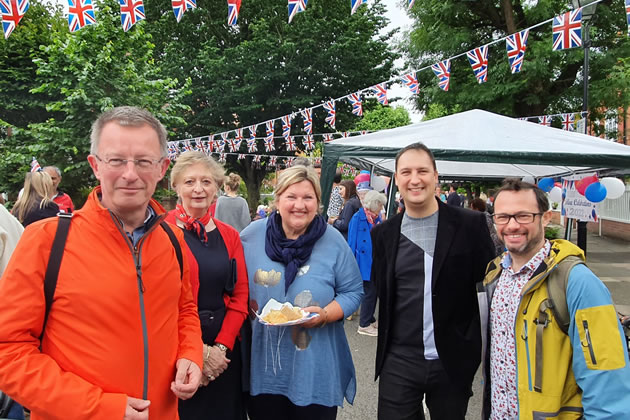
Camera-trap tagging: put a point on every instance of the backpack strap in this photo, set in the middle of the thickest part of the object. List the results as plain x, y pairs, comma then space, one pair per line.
54, 263
176, 246
556, 302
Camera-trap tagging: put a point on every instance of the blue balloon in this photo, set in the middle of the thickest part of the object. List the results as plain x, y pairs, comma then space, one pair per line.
546, 184
595, 192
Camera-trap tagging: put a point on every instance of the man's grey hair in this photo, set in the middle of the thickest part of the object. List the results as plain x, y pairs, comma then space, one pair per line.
302, 161
127, 116
373, 200
54, 168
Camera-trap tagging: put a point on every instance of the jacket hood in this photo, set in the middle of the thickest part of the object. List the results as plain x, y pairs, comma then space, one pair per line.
561, 248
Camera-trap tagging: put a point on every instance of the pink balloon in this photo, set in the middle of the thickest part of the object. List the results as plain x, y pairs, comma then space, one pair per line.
583, 183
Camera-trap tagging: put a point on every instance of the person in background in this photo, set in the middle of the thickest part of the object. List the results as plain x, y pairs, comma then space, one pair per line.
231, 208
35, 203
318, 168
439, 194
62, 199
580, 373
122, 337
10, 232
303, 371
219, 285
478, 204
426, 263
351, 205
336, 200
360, 243
453, 198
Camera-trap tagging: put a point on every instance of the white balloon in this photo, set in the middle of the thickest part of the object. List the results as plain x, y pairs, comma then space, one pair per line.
555, 195
614, 186
378, 183
529, 179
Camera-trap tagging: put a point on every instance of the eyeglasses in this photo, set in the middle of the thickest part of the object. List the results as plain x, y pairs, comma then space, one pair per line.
140, 164
521, 218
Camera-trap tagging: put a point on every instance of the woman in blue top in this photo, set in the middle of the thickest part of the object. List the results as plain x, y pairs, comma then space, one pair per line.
305, 371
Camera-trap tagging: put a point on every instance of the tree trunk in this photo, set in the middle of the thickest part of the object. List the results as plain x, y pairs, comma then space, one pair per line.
253, 177
508, 13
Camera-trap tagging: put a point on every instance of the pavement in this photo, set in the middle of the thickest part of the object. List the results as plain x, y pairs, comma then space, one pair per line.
609, 258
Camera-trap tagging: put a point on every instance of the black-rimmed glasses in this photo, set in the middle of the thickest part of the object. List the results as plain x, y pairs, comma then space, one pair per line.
521, 218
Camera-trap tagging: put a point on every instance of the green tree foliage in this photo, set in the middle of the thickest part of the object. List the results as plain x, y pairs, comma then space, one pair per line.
382, 118
266, 68
78, 76
549, 82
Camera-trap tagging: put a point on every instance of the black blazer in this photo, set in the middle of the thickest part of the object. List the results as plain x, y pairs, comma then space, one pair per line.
463, 248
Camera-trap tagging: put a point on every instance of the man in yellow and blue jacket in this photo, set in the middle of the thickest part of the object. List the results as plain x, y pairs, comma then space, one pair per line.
532, 368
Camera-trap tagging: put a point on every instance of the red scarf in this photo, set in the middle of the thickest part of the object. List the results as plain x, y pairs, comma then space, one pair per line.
371, 216
197, 226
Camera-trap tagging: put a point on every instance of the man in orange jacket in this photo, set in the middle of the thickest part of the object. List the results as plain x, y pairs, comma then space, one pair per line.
122, 338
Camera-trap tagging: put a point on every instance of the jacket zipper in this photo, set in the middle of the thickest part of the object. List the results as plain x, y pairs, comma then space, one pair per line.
525, 337
589, 343
136, 252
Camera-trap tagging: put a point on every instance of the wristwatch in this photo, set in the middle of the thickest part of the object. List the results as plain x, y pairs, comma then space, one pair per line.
222, 347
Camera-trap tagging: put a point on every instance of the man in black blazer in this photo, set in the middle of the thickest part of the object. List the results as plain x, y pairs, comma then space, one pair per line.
426, 263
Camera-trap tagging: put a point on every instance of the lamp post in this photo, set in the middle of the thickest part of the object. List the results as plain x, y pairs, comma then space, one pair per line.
587, 14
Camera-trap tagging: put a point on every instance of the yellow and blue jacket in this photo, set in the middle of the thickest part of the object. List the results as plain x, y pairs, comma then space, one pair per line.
582, 374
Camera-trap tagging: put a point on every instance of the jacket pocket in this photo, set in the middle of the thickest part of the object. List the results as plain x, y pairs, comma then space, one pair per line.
600, 338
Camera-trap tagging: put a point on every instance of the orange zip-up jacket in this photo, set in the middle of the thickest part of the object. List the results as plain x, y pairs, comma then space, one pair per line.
106, 320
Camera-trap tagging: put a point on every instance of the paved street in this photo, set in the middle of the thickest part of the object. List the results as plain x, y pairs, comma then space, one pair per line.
608, 258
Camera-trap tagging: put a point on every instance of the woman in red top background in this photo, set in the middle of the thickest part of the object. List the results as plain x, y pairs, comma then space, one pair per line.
219, 284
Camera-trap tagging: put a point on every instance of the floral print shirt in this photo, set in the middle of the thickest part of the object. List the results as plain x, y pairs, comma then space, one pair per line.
505, 303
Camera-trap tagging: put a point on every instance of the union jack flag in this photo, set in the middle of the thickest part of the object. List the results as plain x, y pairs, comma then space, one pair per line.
12, 12
545, 120
272, 160
286, 125
180, 6
173, 151
188, 146
309, 142
567, 30
411, 82
628, 15
80, 14
239, 137
443, 72
212, 143
35, 165
363, 132
289, 161
516, 44
269, 146
130, 12
270, 130
328, 138
251, 145
355, 5
222, 158
307, 116
295, 7
478, 59
240, 156
330, 107
568, 122
198, 147
252, 131
381, 92
290, 143
411, 3
257, 158
357, 105
233, 7
345, 134
233, 144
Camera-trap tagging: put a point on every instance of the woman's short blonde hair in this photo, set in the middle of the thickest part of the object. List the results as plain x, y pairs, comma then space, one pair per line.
188, 159
296, 174
373, 200
38, 187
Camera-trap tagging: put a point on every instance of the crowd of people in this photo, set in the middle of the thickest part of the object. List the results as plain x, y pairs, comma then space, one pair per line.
154, 314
